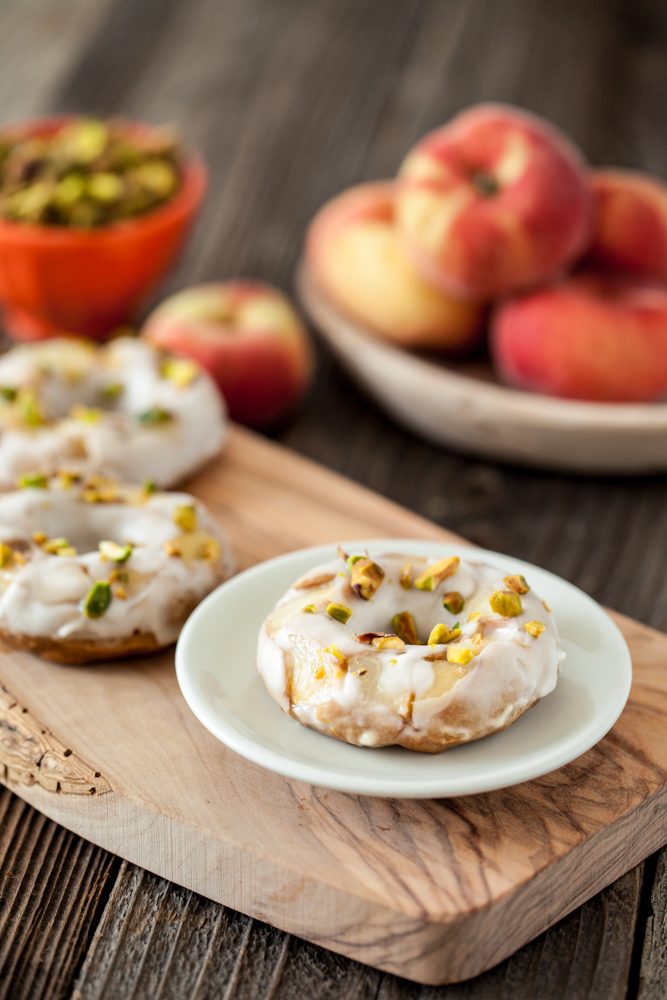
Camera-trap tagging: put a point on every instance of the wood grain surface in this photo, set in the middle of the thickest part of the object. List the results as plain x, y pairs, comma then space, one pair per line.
436, 891
291, 100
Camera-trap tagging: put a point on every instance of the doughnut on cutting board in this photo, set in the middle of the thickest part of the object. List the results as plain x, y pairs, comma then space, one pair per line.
433, 890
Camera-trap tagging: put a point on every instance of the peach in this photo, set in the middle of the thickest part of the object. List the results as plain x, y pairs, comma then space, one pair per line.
495, 201
248, 336
588, 337
630, 231
356, 258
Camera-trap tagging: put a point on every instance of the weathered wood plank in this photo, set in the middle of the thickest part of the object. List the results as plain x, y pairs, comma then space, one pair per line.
52, 886
653, 970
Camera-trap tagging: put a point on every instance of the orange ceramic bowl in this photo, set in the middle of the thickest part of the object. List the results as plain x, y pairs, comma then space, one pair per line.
56, 280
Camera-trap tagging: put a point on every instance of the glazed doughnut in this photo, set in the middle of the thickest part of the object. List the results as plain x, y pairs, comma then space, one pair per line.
91, 569
124, 407
424, 653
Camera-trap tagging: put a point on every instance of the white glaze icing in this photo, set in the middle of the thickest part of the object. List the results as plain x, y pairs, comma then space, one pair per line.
66, 373
44, 596
403, 693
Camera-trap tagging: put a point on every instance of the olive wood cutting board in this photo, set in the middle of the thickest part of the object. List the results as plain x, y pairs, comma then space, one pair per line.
433, 890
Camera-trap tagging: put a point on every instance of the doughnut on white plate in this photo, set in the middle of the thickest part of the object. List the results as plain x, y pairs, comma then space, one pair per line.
459, 404
215, 665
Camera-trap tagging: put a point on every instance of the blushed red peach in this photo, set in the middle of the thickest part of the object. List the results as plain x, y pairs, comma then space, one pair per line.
588, 337
248, 336
357, 260
630, 230
496, 200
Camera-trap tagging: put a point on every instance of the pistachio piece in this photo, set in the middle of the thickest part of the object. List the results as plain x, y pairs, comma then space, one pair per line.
459, 654
475, 616
86, 414
335, 651
121, 593
210, 550
351, 560
154, 417
506, 603
32, 480
185, 516
8, 393
405, 628
59, 547
441, 634
309, 609
97, 600
517, 583
388, 642
369, 636
149, 486
434, 575
453, 602
534, 628
181, 371
113, 390
115, 552
30, 409
365, 577
340, 612
119, 576
406, 577
40, 537
6, 556
477, 638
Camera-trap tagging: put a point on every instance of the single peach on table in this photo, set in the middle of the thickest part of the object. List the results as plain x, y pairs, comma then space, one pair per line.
495, 201
250, 339
591, 337
630, 231
357, 260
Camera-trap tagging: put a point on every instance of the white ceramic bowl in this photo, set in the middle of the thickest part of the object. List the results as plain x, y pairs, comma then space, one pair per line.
480, 416
215, 665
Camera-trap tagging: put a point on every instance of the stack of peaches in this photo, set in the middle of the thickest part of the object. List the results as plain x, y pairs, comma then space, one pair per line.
495, 222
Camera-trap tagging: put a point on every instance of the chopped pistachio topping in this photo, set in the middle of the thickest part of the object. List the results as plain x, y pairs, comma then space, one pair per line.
119, 576
351, 560
115, 552
441, 634
113, 390
181, 371
365, 577
405, 628
154, 417
97, 600
335, 651
517, 583
340, 612
29, 408
459, 654
40, 537
309, 609
506, 603
59, 547
434, 575
453, 602
185, 516
388, 642
210, 550
6, 555
406, 577
534, 628
8, 393
477, 638
475, 616
121, 593
86, 414
32, 480
150, 486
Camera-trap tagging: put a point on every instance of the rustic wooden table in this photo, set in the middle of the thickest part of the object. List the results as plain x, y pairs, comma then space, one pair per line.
290, 101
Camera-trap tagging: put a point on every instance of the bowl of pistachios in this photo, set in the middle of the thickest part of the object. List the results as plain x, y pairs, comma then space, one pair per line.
92, 216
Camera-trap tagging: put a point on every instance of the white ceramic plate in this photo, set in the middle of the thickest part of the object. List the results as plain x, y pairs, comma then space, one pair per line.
215, 665
451, 406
